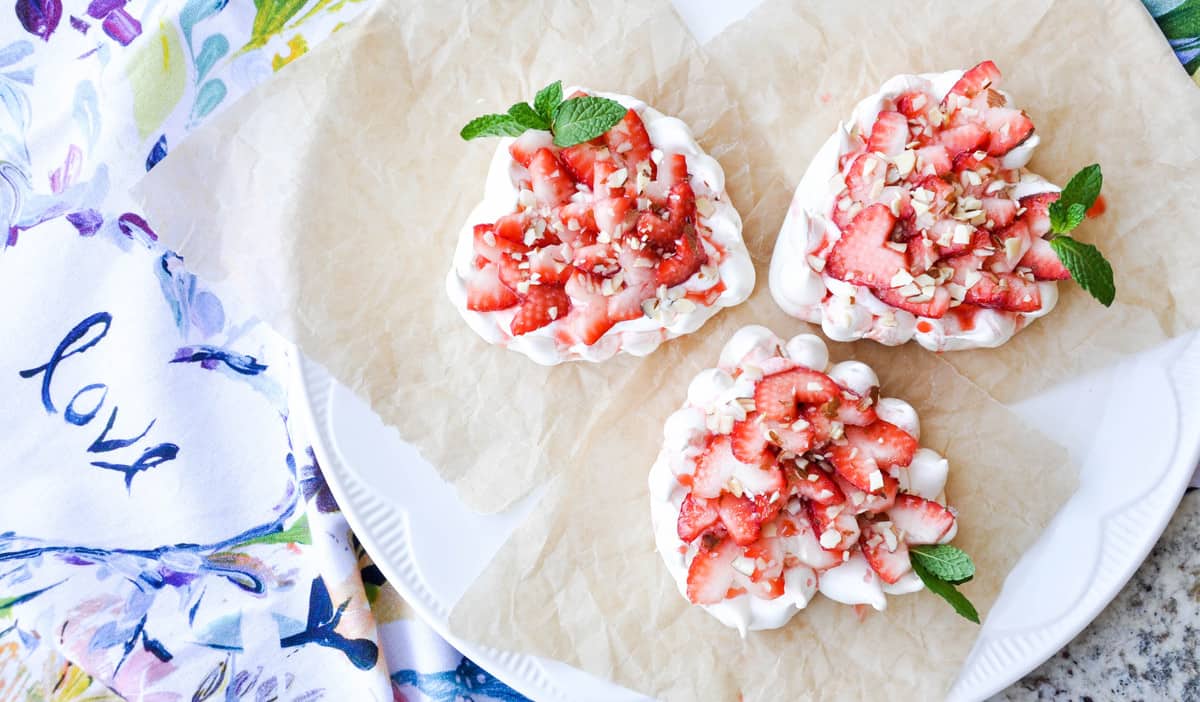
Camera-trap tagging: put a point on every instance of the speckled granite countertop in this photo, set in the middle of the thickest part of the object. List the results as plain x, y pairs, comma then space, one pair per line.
1143, 646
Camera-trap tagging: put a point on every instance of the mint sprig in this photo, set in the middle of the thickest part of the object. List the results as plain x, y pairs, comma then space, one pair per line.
942, 567
950, 563
1084, 262
572, 121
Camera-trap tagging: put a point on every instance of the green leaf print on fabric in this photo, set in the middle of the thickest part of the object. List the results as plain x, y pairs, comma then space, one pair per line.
297, 533
270, 18
157, 72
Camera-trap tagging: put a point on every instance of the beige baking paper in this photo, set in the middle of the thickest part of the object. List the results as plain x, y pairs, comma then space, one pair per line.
332, 198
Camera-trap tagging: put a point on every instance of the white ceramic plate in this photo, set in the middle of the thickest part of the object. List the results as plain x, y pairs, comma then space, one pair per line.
1134, 429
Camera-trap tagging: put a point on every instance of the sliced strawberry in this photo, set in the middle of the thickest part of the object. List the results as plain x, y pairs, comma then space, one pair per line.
861, 501
968, 137
605, 180
835, 525
611, 216
814, 484
525, 146
922, 521
776, 396
552, 186
882, 500
513, 226
711, 573
793, 437
975, 80
740, 518
696, 516
1008, 127
920, 255
681, 203
486, 293
575, 224
987, 98
588, 320
748, 440
934, 308
855, 410
548, 265
717, 466
932, 160
673, 170
886, 553
913, 104
1000, 210
865, 179
942, 192
657, 231
626, 303
493, 248
598, 259
1044, 263
819, 423
861, 256
868, 451
628, 141
974, 161
542, 305
889, 134
802, 541
689, 255
1037, 213
1004, 291
580, 160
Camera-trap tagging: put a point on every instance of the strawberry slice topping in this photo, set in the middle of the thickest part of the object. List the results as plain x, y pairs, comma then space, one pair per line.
922, 521
542, 305
696, 515
868, 451
711, 573
889, 135
597, 229
777, 396
860, 256
629, 142
762, 509
1044, 263
928, 217
974, 81
748, 440
485, 291
886, 553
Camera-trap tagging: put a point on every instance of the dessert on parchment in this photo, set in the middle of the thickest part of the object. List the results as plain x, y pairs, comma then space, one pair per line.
918, 219
783, 476
604, 228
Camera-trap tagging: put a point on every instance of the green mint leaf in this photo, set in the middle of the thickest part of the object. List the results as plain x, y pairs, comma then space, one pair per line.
1075, 214
947, 592
1083, 188
1087, 267
1064, 217
949, 563
548, 99
491, 125
527, 117
584, 118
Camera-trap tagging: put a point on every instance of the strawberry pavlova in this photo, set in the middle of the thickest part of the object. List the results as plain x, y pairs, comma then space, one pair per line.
918, 219
604, 228
783, 476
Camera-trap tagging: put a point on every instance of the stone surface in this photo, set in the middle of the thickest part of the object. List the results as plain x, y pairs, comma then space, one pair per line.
1143, 646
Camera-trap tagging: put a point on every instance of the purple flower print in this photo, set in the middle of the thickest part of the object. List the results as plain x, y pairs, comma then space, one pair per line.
39, 17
